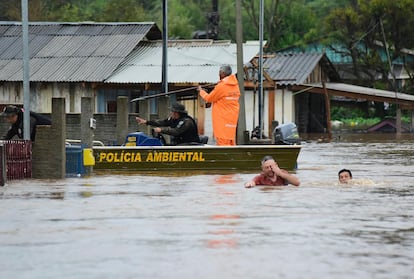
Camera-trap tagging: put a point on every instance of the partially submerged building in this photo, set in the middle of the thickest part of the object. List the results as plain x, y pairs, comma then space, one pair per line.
107, 60
68, 60
299, 88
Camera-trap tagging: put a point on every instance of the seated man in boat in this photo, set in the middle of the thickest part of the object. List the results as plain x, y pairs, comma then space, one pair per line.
272, 175
345, 176
179, 125
14, 116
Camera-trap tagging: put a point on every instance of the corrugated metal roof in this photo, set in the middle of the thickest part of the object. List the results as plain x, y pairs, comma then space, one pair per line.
292, 68
369, 91
70, 51
190, 61
359, 92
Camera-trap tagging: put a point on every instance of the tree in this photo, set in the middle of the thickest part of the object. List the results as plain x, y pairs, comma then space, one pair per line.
286, 21
357, 26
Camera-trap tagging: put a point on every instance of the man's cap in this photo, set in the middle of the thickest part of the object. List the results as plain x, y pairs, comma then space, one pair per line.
177, 107
226, 69
10, 110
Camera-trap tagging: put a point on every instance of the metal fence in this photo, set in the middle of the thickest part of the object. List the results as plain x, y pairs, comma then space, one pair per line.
15, 160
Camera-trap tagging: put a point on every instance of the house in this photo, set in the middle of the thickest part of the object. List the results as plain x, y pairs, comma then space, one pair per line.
190, 63
107, 60
387, 126
68, 60
299, 87
339, 56
282, 72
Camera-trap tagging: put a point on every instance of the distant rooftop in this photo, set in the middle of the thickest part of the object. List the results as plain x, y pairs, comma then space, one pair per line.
295, 68
189, 61
338, 53
70, 52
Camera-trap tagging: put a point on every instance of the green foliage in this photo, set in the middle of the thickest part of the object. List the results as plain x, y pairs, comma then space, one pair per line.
287, 22
357, 25
340, 113
359, 122
350, 23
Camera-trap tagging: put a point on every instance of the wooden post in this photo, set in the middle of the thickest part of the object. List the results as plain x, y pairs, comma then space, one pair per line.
201, 115
328, 112
86, 130
122, 114
398, 121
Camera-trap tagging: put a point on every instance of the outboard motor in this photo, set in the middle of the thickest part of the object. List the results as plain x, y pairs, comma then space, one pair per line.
286, 134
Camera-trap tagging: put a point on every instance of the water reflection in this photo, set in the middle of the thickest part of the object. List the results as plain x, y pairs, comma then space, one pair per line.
204, 225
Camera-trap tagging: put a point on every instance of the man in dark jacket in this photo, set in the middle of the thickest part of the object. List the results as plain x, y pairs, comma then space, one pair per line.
14, 116
179, 125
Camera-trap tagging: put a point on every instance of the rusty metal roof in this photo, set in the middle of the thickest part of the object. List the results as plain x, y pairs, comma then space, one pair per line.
70, 52
295, 68
189, 61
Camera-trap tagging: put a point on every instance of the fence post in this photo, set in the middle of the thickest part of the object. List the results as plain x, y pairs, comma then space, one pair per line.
145, 112
49, 150
86, 130
59, 136
122, 113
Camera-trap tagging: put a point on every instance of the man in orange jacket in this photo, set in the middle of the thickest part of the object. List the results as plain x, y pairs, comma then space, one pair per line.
225, 100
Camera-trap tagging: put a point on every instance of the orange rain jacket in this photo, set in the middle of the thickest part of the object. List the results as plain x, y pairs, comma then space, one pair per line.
225, 100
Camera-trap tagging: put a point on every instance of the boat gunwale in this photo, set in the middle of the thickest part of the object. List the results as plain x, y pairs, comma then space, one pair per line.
201, 147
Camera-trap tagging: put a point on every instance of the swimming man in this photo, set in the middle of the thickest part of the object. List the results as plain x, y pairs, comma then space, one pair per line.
344, 176
272, 175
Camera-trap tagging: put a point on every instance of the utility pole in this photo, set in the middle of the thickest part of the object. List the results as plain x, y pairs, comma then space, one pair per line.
165, 49
261, 96
26, 76
241, 126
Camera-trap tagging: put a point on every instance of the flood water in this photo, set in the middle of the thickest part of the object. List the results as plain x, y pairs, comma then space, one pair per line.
210, 226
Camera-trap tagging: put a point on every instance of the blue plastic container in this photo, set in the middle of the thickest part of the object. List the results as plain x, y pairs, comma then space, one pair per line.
74, 161
141, 139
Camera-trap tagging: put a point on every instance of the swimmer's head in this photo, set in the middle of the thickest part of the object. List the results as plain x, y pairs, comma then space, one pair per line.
344, 176
268, 165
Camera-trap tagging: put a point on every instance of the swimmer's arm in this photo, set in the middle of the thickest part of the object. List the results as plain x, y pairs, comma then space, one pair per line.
254, 182
290, 178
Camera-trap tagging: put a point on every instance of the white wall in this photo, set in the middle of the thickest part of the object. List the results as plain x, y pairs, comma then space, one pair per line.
41, 95
252, 112
284, 106
11, 93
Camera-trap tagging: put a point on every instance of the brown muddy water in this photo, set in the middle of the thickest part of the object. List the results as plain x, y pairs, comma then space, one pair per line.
209, 226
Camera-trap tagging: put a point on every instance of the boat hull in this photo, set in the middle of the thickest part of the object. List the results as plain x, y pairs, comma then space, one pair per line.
171, 158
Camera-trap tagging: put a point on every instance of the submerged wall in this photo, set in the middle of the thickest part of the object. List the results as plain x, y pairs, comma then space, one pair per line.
41, 94
105, 127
